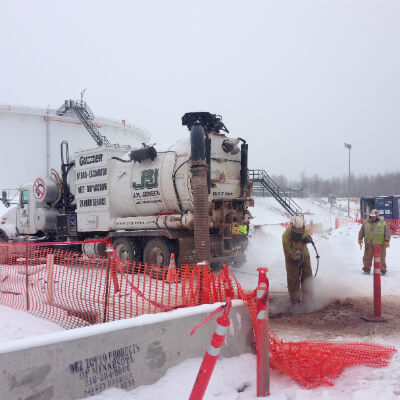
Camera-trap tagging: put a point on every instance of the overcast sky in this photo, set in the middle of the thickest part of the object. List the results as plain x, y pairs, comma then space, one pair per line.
296, 79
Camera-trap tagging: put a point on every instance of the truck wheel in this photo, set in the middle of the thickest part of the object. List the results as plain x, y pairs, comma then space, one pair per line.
4, 250
158, 252
125, 252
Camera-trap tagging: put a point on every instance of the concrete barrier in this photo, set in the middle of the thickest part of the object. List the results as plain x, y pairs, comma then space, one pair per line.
126, 354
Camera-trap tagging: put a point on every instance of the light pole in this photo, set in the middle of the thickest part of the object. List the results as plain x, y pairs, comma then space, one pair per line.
348, 146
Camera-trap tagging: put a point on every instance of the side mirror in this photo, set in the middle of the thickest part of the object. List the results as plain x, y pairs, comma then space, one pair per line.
4, 199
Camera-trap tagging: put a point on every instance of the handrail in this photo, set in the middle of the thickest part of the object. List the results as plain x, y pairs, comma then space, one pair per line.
286, 201
86, 116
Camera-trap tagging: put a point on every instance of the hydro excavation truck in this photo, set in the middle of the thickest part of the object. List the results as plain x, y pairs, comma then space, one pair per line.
190, 198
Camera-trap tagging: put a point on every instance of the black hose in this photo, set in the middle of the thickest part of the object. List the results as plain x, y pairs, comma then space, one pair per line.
120, 159
317, 257
175, 187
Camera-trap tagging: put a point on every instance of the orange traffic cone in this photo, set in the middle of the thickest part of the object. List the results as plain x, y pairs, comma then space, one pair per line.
172, 263
171, 274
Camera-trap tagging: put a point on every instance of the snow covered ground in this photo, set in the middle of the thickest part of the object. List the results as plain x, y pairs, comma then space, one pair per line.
339, 278
16, 324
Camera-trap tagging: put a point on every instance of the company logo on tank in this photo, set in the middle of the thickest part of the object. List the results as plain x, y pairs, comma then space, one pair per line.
145, 192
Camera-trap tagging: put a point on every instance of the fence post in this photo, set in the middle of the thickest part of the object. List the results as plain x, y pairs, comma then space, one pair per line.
26, 272
262, 334
202, 266
109, 251
377, 316
377, 281
50, 279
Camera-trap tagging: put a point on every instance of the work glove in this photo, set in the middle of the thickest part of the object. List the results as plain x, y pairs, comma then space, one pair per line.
387, 244
307, 239
360, 243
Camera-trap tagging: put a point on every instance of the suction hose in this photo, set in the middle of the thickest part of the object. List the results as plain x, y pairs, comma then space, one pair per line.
200, 194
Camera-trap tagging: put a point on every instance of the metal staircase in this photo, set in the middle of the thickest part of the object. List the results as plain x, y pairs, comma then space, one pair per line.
85, 115
263, 182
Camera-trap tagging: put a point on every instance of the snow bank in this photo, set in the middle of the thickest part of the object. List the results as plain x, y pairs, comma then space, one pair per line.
16, 324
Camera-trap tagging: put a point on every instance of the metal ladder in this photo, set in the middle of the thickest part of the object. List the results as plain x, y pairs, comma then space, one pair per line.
226, 225
85, 115
262, 181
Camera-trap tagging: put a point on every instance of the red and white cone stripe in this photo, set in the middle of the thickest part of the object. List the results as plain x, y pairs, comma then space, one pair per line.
211, 356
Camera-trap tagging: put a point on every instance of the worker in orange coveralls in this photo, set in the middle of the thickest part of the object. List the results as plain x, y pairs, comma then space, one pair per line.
298, 263
374, 231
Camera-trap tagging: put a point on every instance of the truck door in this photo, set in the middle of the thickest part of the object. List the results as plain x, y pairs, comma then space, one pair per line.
23, 212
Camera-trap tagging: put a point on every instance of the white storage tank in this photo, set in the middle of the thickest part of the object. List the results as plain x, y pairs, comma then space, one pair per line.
31, 138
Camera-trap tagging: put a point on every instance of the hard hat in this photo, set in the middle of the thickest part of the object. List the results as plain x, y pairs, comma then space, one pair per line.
297, 224
374, 213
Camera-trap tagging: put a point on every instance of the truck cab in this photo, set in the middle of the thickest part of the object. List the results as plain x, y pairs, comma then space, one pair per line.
11, 219
26, 217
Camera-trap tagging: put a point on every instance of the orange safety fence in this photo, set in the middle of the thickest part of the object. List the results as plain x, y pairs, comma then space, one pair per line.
394, 224
73, 289
340, 221
314, 363
286, 225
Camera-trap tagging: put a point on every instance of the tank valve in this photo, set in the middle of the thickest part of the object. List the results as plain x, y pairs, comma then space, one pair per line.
231, 146
143, 154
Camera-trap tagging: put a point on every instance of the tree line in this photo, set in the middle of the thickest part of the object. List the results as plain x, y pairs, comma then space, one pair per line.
361, 185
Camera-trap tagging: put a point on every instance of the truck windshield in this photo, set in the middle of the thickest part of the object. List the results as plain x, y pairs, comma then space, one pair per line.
24, 197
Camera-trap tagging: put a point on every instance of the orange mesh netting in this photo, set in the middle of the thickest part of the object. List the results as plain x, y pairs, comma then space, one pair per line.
394, 224
317, 363
73, 289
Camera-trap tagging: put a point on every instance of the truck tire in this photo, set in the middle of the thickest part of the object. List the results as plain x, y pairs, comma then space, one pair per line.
158, 252
4, 250
126, 252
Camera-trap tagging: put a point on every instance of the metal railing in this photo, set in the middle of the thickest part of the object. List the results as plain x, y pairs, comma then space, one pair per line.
263, 182
86, 116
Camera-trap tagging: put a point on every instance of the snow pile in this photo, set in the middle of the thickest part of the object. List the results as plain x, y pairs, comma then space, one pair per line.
17, 324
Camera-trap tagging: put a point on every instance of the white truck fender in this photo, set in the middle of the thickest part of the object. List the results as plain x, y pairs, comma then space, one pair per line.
8, 231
